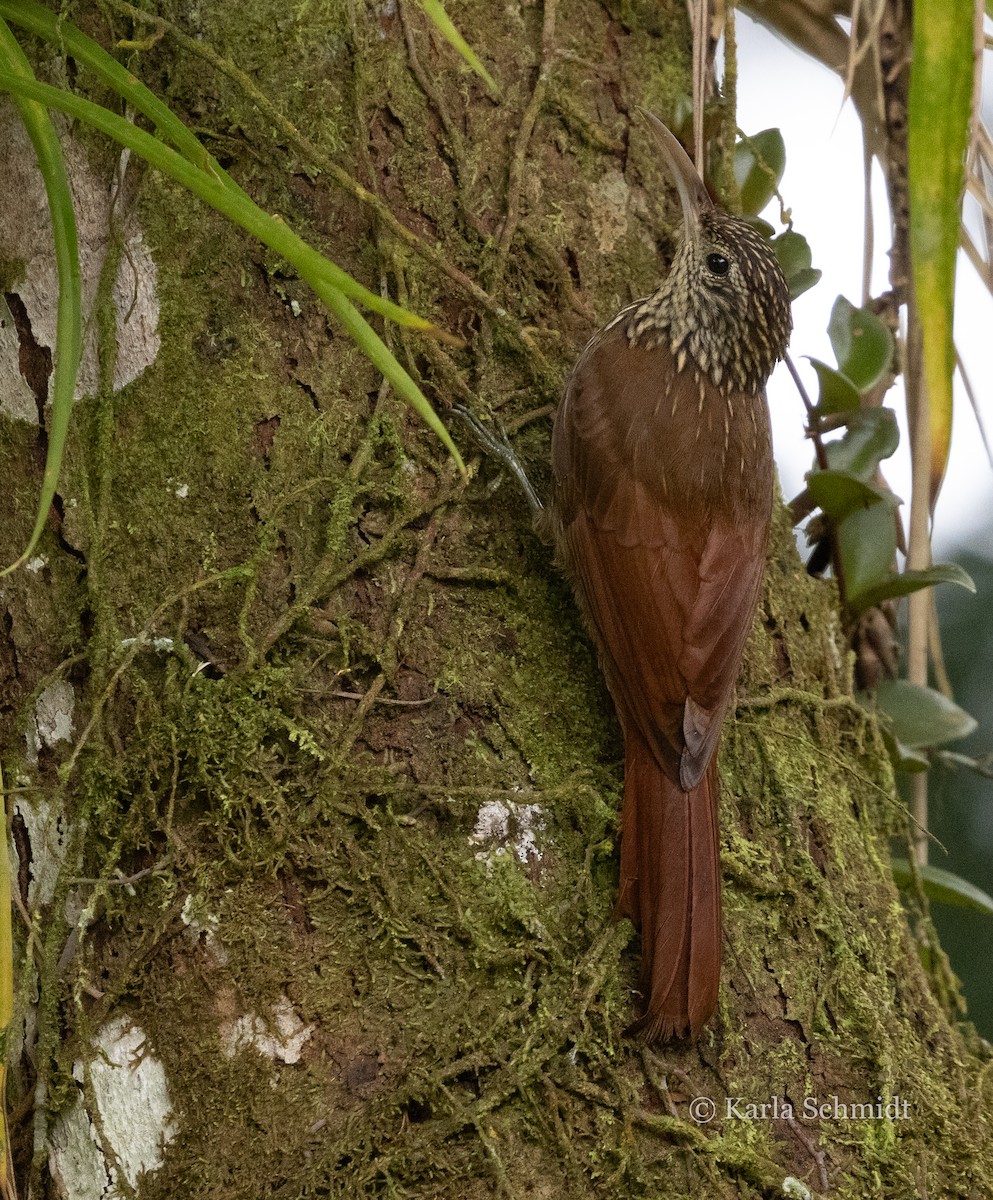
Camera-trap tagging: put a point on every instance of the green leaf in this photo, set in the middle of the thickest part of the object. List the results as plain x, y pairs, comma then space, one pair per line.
943, 887
759, 163
839, 493
861, 343
837, 393
802, 282
867, 546
444, 25
871, 436
910, 581
920, 716
793, 253
939, 110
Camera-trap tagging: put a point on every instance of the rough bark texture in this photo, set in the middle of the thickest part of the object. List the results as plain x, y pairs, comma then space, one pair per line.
341, 844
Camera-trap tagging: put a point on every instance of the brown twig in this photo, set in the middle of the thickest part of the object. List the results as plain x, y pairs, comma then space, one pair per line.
431, 92
816, 1154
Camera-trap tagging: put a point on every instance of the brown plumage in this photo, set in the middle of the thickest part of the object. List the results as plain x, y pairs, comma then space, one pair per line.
663, 472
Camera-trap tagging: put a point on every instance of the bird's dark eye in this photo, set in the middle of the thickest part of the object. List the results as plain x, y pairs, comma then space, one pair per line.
717, 264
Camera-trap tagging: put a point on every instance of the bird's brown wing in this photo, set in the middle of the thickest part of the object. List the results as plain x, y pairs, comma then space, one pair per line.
668, 577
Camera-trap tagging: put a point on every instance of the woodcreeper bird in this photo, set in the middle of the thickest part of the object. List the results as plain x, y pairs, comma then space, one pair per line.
662, 498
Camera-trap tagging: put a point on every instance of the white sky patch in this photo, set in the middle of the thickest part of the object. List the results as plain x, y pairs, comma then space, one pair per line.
503, 826
132, 1098
281, 1036
823, 185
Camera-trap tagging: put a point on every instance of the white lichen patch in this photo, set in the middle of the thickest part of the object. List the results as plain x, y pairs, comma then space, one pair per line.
47, 835
280, 1036
202, 926
505, 827
52, 719
795, 1189
609, 202
162, 644
129, 1089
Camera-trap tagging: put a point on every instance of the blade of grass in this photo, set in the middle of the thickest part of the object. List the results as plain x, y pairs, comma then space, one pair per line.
443, 23
69, 319
47, 25
322, 275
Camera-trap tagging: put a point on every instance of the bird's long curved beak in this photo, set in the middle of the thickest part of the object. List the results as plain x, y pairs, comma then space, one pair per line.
693, 195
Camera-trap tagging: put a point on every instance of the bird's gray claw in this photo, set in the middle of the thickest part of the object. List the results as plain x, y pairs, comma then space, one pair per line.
499, 447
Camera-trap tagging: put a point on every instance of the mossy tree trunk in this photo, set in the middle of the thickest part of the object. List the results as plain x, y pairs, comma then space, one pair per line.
318, 778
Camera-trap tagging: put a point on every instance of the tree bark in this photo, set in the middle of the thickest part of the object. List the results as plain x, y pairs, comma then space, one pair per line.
318, 778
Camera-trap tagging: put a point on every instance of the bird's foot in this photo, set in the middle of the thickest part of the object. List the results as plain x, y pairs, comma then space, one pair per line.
498, 446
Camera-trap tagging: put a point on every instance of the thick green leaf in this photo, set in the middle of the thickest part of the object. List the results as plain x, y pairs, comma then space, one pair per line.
910, 581
837, 393
943, 887
793, 253
920, 716
803, 281
759, 163
867, 545
871, 436
939, 110
861, 343
839, 493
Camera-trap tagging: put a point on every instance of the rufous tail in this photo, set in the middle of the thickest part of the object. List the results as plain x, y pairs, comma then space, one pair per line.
671, 891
